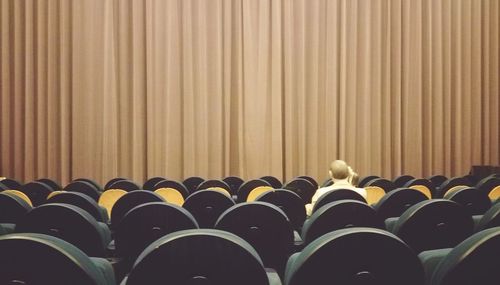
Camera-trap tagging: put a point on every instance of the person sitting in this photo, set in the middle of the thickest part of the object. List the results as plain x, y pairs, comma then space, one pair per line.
343, 177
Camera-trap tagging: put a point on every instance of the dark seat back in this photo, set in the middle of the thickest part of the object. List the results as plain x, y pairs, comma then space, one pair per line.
37, 192
12, 208
338, 215
206, 206
198, 257
288, 202
129, 201
337, 195
84, 187
42, 259
434, 224
148, 222
473, 261
396, 202
355, 256
83, 202
301, 187
69, 223
264, 226
476, 202
247, 187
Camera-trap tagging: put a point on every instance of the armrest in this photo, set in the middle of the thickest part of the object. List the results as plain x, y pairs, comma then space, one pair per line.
273, 277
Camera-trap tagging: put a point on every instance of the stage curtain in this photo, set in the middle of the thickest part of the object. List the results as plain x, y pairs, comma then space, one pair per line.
176, 88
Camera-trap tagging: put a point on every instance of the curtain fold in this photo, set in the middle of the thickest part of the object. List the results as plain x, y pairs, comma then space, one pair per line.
142, 88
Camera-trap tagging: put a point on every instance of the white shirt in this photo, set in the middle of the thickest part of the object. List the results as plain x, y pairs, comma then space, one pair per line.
339, 184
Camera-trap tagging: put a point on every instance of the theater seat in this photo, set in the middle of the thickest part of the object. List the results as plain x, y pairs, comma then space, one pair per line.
490, 219
40, 259
301, 187
146, 223
12, 208
432, 224
249, 186
204, 256
206, 206
337, 195
192, 183
234, 183
128, 201
37, 192
355, 256
475, 201
84, 187
108, 199
473, 261
83, 202
338, 215
69, 223
151, 182
289, 202
265, 227
396, 202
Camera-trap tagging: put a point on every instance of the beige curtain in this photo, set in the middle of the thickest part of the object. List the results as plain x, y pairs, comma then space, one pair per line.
139, 88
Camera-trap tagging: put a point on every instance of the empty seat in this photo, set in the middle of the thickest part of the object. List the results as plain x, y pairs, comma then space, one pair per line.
289, 202
55, 186
383, 183
355, 256
206, 206
265, 227
69, 223
273, 181
148, 222
337, 195
247, 187
112, 181
432, 224
108, 199
473, 261
310, 179
364, 180
42, 259
401, 180
192, 183
11, 184
338, 215
12, 208
171, 184
396, 202
490, 186
84, 187
83, 202
437, 180
37, 192
476, 202
234, 183
93, 182
303, 188
450, 183
20, 195
151, 182
374, 194
128, 201
126, 185
200, 257
215, 184
423, 185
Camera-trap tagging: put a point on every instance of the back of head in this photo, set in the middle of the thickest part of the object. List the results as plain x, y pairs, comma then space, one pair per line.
339, 169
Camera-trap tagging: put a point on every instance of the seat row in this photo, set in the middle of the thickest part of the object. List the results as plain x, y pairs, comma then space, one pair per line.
206, 256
